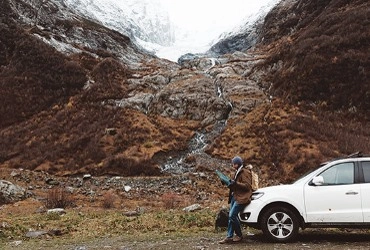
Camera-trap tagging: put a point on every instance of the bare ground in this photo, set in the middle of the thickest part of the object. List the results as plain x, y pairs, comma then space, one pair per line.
308, 239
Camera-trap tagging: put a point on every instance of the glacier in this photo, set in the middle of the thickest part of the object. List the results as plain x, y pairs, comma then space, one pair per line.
173, 28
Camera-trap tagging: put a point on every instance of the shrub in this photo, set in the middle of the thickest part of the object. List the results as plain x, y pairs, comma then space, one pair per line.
58, 198
108, 200
170, 200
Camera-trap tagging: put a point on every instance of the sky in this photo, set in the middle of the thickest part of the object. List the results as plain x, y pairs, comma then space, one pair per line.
204, 14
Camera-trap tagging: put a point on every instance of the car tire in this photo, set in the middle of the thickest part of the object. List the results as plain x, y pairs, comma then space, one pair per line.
279, 224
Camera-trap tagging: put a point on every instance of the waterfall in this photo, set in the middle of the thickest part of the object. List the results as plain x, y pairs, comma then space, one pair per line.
177, 165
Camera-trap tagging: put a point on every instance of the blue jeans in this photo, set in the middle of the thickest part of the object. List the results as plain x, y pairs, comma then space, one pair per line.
234, 223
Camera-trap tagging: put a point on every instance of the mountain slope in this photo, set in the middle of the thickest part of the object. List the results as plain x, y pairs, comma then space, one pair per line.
33, 75
140, 20
53, 81
78, 97
316, 75
324, 53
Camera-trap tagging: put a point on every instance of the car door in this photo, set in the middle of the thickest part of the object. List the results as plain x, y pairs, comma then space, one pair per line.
365, 190
338, 199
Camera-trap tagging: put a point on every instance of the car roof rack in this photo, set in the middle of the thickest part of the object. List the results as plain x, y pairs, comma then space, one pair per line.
354, 155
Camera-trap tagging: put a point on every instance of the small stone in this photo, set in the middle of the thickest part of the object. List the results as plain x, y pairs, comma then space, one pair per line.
87, 176
57, 211
127, 188
192, 208
35, 234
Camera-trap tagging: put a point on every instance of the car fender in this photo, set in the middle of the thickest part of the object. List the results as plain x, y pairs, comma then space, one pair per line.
291, 195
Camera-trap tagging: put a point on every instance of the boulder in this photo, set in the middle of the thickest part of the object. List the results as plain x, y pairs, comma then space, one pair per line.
10, 192
222, 218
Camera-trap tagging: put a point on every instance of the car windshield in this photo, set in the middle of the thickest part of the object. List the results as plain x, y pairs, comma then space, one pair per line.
309, 172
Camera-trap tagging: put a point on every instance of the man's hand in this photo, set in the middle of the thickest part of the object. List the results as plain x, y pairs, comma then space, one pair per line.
232, 184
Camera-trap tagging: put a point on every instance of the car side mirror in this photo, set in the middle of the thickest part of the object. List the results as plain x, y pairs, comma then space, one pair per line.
318, 180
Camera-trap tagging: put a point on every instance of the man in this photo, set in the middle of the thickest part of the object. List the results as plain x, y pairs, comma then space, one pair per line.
239, 196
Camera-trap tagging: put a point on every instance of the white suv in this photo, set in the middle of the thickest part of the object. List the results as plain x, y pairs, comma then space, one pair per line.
334, 195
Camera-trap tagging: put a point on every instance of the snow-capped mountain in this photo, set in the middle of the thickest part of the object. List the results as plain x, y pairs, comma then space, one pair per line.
244, 35
148, 23
239, 23
250, 20
143, 20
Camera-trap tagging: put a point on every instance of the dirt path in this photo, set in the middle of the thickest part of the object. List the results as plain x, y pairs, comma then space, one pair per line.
311, 240
308, 239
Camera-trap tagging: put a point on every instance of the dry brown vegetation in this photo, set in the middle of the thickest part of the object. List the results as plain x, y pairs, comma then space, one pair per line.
171, 200
285, 141
34, 77
109, 199
324, 50
58, 198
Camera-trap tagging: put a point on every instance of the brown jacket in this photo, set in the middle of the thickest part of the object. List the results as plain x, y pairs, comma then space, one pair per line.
242, 190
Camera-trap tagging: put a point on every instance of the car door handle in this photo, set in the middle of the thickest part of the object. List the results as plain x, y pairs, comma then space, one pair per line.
351, 193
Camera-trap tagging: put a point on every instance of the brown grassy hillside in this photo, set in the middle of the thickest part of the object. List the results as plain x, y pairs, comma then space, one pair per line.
323, 49
284, 141
52, 117
316, 72
318, 63
33, 76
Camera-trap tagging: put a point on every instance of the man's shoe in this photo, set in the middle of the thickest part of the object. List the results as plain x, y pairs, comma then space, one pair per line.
237, 239
226, 241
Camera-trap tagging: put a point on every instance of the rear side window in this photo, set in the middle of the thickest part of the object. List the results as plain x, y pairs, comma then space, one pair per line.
340, 174
366, 171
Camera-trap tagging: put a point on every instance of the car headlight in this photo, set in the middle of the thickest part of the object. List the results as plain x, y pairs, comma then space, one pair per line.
257, 195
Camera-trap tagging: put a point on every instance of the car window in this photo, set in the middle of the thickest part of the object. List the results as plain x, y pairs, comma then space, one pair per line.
366, 171
339, 174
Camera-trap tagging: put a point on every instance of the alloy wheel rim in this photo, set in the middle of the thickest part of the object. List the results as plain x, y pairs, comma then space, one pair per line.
280, 225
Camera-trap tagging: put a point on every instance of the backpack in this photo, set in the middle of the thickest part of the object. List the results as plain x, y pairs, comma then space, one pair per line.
254, 183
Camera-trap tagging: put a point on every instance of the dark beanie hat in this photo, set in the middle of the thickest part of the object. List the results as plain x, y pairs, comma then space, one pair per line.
237, 160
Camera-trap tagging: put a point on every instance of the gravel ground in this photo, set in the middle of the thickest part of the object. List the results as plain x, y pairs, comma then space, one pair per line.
308, 239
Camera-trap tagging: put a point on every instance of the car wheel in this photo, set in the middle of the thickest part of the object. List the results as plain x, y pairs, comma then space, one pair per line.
279, 224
